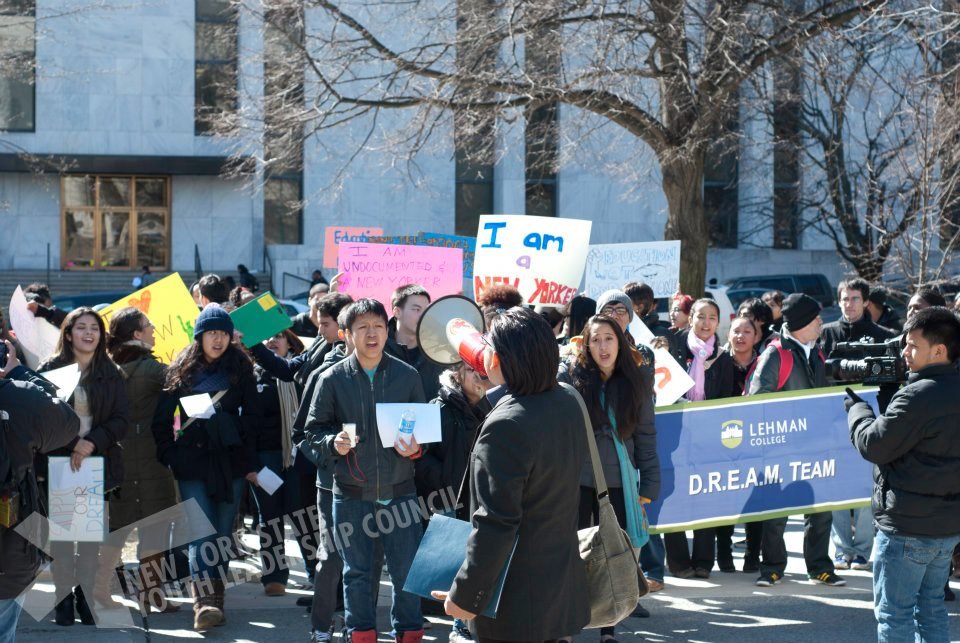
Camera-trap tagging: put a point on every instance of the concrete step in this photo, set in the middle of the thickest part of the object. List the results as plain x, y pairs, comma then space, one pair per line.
75, 282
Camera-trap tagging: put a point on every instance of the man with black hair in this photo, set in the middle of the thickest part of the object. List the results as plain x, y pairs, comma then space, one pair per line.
760, 313
40, 303
32, 422
855, 323
306, 324
916, 497
925, 297
645, 307
408, 303
369, 478
880, 312
213, 290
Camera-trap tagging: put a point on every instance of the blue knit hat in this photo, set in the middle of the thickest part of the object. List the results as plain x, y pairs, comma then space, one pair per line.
213, 317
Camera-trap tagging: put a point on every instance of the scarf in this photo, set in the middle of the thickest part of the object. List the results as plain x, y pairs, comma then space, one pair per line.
210, 380
701, 351
287, 391
138, 344
638, 527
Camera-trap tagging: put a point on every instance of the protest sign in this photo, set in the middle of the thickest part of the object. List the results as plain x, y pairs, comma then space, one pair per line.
37, 336
169, 306
259, 319
467, 244
758, 457
543, 257
672, 380
334, 235
655, 263
65, 379
376, 270
76, 502
397, 240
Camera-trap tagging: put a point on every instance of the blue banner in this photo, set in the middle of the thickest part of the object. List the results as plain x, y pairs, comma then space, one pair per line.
751, 458
468, 244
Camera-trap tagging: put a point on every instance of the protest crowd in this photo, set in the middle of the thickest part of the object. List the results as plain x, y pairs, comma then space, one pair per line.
288, 430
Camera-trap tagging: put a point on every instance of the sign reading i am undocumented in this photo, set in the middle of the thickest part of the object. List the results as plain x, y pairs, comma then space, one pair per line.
752, 458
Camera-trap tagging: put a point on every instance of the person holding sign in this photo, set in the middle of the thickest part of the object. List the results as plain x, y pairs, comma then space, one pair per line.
373, 483
212, 453
619, 396
149, 486
100, 400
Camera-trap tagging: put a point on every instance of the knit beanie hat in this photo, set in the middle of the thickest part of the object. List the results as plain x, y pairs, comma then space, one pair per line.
213, 317
615, 297
799, 310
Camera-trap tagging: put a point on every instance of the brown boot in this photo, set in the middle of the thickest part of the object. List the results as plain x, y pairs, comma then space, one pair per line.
206, 614
105, 577
218, 591
150, 593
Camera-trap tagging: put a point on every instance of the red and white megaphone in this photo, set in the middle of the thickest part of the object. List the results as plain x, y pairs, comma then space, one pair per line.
451, 330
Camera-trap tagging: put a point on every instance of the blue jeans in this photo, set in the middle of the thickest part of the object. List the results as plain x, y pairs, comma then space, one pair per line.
9, 615
652, 557
359, 524
210, 556
852, 538
909, 573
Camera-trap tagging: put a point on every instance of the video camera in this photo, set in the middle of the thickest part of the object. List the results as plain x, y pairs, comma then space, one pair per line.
868, 362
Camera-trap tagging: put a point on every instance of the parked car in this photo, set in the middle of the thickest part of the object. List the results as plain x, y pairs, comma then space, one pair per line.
293, 308
815, 285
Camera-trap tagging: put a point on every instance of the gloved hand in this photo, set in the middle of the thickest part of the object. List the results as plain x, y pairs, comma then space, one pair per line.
851, 399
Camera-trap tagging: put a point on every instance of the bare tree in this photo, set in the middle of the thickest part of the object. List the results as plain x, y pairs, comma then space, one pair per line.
665, 71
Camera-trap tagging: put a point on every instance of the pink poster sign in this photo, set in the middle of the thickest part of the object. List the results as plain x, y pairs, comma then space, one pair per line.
375, 270
335, 235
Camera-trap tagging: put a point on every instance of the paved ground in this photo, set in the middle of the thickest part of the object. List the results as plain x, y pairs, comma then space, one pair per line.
727, 607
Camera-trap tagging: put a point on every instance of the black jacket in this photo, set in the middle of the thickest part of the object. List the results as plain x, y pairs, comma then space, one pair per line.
522, 491
345, 394
322, 460
807, 373
658, 327
444, 465
718, 376
293, 369
890, 319
429, 372
268, 432
40, 424
215, 450
303, 326
108, 403
52, 314
843, 331
915, 447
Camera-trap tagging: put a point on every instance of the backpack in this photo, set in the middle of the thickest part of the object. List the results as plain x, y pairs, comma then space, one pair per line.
786, 365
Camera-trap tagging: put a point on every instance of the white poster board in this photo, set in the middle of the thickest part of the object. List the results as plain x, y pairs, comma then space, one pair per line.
543, 257
37, 336
671, 380
655, 263
426, 429
76, 502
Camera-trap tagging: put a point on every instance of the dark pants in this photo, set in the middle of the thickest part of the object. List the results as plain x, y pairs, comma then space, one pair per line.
816, 544
754, 532
678, 554
589, 515
652, 558
327, 586
284, 504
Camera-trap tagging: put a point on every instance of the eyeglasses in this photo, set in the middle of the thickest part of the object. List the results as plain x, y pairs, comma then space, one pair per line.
619, 311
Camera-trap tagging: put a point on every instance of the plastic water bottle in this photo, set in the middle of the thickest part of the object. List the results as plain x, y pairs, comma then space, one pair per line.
407, 422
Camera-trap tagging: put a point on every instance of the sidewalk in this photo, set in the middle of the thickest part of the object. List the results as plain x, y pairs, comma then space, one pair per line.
725, 607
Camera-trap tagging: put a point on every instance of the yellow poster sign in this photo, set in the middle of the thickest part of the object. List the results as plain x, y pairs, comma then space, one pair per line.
168, 305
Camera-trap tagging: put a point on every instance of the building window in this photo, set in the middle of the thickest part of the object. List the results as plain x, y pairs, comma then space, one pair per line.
17, 65
473, 149
283, 132
215, 91
786, 145
542, 136
119, 222
721, 199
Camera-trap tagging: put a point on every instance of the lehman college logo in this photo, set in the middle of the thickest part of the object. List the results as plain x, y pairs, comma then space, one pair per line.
731, 434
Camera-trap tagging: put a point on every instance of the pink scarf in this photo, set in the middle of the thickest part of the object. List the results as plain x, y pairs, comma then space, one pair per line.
701, 350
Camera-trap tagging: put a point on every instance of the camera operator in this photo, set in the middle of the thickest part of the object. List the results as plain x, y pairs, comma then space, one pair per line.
916, 498
855, 323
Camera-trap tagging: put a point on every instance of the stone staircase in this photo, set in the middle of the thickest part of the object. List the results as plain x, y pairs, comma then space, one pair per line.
71, 282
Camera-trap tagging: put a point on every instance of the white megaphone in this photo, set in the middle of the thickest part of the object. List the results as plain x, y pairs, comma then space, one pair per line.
448, 332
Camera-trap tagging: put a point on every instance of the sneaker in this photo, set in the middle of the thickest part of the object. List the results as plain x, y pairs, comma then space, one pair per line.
640, 612
700, 572
769, 579
751, 565
683, 573
861, 563
317, 636
828, 578
459, 633
841, 562
654, 585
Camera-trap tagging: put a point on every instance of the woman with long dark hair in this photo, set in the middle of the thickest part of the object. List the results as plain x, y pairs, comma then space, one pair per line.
210, 458
100, 400
149, 487
619, 396
522, 496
